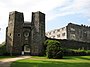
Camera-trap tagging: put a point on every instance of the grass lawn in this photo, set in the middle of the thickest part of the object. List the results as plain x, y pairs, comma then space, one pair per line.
68, 61
2, 57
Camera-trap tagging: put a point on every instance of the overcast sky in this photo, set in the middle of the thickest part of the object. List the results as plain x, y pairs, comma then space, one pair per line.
58, 12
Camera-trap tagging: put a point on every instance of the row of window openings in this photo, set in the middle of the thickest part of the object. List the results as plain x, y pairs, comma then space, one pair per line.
72, 29
81, 36
56, 30
17, 34
63, 34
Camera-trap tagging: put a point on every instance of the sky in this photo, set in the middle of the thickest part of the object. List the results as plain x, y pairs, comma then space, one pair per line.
58, 12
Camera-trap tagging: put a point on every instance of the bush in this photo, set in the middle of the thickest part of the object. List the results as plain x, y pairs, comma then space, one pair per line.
53, 49
74, 52
3, 50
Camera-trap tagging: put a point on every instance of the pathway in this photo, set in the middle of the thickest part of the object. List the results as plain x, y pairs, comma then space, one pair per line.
8, 61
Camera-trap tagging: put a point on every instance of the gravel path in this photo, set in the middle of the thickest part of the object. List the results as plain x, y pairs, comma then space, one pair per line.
8, 61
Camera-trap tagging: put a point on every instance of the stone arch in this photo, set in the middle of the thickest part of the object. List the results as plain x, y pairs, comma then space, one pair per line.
26, 49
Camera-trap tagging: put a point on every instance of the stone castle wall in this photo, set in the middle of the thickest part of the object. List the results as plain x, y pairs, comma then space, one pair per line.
78, 32
71, 32
38, 33
71, 44
21, 35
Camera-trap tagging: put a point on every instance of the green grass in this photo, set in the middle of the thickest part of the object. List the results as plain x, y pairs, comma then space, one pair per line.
69, 61
4, 57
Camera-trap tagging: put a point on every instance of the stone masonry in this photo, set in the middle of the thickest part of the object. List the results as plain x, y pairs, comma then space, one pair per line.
71, 32
24, 36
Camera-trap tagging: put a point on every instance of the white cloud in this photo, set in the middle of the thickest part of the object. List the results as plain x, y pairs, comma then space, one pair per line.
89, 20
71, 8
47, 5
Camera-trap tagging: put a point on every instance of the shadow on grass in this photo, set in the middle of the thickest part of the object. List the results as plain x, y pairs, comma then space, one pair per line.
49, 64
85, 58
77, 57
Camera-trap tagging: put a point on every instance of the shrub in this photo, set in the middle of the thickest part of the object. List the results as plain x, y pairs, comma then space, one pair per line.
53, 49
74, 52
3, 50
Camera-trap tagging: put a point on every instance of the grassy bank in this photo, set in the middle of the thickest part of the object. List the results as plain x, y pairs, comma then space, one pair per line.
68, 61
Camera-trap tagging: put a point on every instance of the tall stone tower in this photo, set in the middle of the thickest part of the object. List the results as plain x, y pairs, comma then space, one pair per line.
25, 37
14, 33
38, 33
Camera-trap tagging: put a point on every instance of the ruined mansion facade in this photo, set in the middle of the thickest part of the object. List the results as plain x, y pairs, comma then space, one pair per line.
24, 36
72, 31
72, 36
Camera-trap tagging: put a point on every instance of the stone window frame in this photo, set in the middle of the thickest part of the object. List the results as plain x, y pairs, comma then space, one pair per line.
53, 36
72, 29
58, 30
85, 34
63, 28
58, 35
18, 34
63, 34
10, 34
54, 31
80, 33
27, 48
49, 33
73, 36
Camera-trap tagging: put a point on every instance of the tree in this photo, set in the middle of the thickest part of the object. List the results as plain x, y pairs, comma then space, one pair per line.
2, 49
53, 49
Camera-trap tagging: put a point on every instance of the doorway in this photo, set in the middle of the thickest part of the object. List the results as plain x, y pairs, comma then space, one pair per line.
26, 49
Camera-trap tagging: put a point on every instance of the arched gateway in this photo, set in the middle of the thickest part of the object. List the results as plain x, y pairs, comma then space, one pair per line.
25, 37
26, 49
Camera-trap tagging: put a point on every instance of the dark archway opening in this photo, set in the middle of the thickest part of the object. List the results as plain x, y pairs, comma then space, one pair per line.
25, 49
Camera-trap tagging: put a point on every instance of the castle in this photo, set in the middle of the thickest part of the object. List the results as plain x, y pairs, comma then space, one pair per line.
25, 37
72, 31
28, 37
